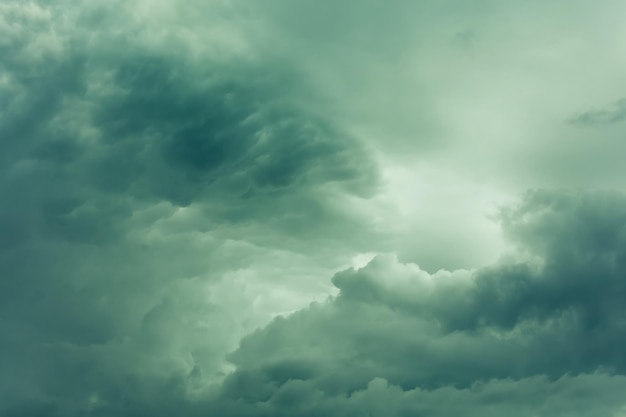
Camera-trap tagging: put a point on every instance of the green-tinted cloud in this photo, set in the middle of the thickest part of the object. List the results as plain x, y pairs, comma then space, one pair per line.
613, 114
151, 197
173, 176
486, 339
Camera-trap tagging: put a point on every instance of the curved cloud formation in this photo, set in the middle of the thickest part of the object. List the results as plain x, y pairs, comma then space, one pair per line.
152, 193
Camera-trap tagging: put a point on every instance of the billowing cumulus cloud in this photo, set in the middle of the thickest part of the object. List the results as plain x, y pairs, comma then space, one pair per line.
180, 181
523, 337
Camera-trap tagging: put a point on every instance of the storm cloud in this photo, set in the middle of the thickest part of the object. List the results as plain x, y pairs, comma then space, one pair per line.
135, 178
243, 208
519, 337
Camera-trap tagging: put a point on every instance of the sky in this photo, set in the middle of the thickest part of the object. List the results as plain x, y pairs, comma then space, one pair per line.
355, 208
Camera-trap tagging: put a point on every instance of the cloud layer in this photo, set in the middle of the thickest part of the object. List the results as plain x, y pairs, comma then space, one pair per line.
533, 337
152, 196
180, 181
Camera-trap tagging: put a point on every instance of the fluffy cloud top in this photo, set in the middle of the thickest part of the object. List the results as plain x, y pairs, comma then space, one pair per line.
534, 337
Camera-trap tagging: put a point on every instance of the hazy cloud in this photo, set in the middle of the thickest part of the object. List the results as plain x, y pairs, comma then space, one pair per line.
613, 114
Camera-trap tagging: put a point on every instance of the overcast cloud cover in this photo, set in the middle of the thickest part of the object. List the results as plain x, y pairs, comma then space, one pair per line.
312, 208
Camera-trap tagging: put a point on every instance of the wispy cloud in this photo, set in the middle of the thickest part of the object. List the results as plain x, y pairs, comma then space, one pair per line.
612, 114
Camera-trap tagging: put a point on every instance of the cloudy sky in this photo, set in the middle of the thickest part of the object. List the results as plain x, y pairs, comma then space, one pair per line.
259, 208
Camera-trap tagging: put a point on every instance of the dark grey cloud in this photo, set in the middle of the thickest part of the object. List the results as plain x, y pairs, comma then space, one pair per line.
169, 171
517, 337
143, 125
136, 175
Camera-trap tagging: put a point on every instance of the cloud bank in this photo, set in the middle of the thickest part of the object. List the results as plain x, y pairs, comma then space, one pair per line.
180, 182
534, 337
